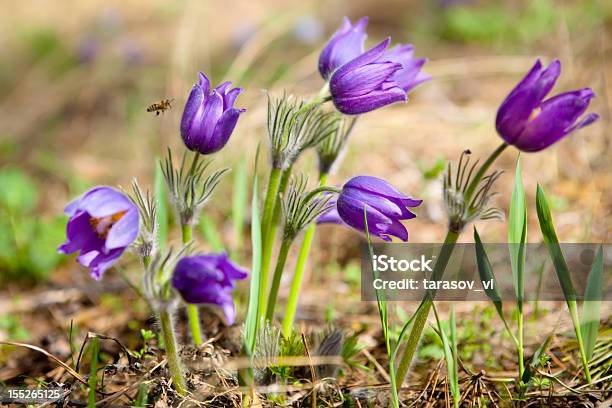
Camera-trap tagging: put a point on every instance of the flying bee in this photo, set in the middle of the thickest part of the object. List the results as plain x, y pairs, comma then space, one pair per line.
161, 106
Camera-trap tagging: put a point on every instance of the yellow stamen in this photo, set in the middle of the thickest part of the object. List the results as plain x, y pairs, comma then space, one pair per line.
534, 114
102, 225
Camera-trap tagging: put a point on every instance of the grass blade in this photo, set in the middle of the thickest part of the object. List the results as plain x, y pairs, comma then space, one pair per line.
449, 356
563, 274
239, 203
161, 202
591, 306
93, 379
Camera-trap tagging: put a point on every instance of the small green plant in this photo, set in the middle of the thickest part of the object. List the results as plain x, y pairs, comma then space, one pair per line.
147, 336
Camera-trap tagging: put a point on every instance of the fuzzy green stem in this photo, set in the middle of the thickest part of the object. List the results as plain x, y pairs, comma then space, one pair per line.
296, 284
573, 309
186, 233
483, 170
278, 273
423, 312
276, 215
174, 364
520, 336
266, 222
193, 315
449, 243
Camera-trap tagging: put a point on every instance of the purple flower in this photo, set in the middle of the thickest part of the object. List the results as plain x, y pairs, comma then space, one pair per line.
103, 223
385, 207
208, 279
367, 82
531, 123
209, 118
345, 45
410, 75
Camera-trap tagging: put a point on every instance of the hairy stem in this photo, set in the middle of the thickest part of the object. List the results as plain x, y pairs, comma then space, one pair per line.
296, 283
573, 308
483, 170
174, 364
423, 312
278, 273
449, 243
266, 223
519, 347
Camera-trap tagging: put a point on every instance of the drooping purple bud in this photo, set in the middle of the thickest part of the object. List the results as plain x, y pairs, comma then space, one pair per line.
208, 279
209, 118
345, 45
103, 223
531, 123
366, 82
384, 205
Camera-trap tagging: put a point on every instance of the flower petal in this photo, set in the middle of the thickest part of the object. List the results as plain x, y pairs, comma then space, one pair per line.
345, 44
192, 107
80, 235
104, 201
223, 130
351, 212
362, 80
367, 57
370, 102
125, 231
518, 106
375, 185
555, 120
203, 125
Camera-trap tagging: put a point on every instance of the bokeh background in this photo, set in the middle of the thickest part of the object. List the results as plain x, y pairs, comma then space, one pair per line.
76, 78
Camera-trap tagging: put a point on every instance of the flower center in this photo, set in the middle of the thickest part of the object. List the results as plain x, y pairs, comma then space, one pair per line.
102, 225
534, 114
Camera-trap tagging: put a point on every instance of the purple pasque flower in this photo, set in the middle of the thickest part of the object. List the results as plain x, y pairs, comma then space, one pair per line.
366, 82
208, 279
531, 123
384, 205
103, 223
344, 45
209, 118
410, 75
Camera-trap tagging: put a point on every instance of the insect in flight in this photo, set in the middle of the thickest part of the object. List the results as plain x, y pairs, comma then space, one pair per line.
160, 106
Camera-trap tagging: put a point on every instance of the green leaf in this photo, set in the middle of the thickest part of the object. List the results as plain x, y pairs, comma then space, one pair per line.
486, 274
535, 359
563, 274
239, 204
18, 193
591, 306
550, 238
161, 202
517, 233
